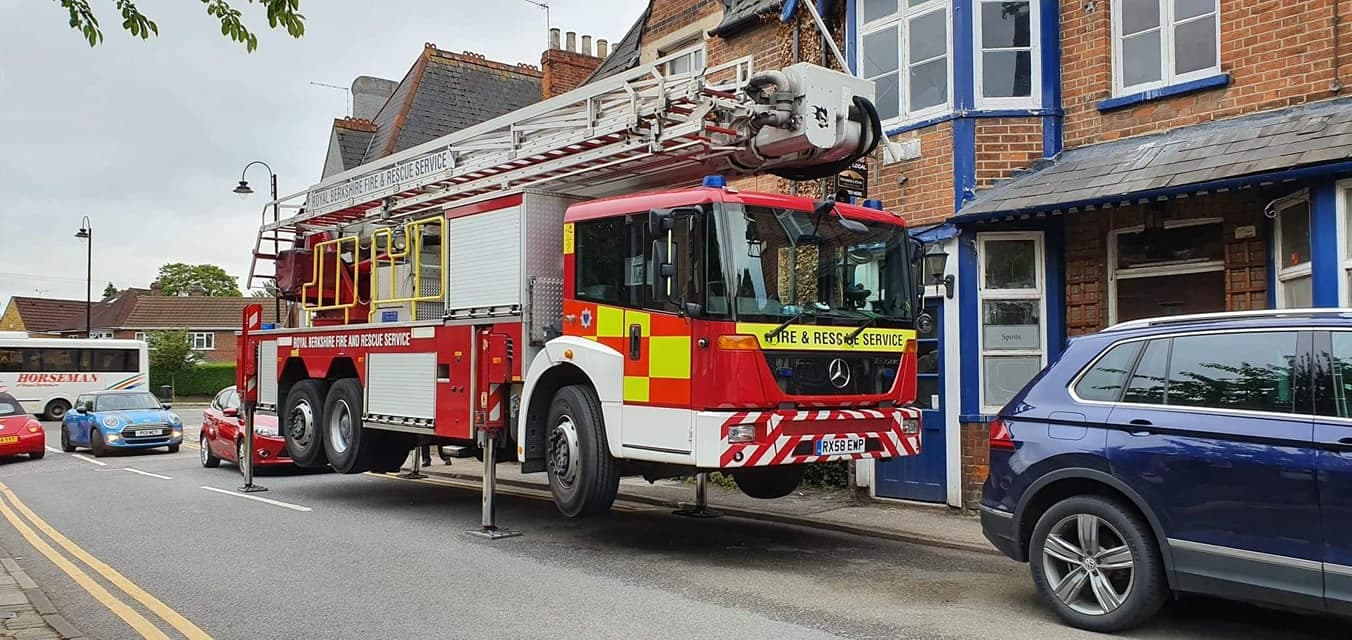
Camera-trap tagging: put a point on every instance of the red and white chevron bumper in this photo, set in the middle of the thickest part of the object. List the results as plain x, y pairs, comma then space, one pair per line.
791, 437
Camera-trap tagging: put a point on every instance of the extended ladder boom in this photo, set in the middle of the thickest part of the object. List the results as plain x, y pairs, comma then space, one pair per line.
633, 131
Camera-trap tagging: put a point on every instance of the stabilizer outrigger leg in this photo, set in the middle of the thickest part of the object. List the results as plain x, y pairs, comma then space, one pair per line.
701, 507
489, 528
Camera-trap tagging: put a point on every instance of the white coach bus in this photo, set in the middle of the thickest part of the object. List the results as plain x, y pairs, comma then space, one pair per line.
46, 374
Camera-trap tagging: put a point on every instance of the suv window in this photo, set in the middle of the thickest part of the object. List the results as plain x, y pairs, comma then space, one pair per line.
1147, 382
1341, 374
1104, 380
1250, 371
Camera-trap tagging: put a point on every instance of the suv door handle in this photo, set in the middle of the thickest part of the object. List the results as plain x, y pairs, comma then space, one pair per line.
1141, 422
1345, 441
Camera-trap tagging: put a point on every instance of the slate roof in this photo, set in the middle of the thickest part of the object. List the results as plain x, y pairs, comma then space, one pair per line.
1251, 145
740, 14
445, 92
624, 53
352, 141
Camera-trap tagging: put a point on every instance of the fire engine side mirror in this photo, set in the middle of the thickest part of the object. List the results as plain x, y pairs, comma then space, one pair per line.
660, 221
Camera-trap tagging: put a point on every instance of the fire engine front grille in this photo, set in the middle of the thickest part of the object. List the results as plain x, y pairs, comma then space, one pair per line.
833, 374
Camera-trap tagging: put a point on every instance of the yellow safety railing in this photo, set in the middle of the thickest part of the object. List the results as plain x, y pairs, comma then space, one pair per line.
321, 251
412, 255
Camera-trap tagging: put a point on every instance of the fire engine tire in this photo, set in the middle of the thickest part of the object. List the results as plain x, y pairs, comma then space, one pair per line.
349, 445
768, 483
582, 475
303, 423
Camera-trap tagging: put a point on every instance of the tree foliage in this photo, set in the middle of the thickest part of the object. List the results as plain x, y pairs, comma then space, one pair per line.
109, 291
171, 352
284, 13
178, 278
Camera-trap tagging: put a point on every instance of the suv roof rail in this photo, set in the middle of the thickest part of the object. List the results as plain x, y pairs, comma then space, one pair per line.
1232, 315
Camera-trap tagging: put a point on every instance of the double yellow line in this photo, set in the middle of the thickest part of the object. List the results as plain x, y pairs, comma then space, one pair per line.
10, 503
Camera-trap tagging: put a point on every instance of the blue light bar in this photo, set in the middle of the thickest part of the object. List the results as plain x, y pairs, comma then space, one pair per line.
874, 204
717, 182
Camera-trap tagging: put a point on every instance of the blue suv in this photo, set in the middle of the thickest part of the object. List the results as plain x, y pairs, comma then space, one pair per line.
1205, 454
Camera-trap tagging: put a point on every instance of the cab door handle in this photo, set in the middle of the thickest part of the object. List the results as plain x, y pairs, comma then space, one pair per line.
635, 342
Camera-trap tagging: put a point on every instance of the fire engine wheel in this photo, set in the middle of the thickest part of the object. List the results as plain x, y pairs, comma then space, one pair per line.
350, 446
304, 411
582, 475
769, 482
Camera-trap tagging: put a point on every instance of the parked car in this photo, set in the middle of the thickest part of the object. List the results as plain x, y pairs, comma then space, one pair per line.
19, 432
108, 420
223, 434
1204, 454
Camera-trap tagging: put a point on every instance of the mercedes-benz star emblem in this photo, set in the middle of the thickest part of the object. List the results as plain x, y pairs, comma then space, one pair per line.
838, 373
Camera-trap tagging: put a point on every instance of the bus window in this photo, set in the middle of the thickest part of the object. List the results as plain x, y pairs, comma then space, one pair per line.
10, 360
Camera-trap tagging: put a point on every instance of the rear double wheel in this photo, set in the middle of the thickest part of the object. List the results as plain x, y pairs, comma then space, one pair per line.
302, 416
349, 445
582, 475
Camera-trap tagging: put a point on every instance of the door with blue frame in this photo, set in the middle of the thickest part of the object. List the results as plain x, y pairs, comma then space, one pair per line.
922, 477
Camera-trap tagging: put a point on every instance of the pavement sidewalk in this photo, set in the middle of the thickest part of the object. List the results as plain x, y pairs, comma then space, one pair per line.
25, 611
821, 509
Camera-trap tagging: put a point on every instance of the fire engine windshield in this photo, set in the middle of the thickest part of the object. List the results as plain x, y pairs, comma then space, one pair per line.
786, 264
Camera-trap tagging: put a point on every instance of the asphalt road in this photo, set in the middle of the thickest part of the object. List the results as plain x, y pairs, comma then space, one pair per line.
388, 558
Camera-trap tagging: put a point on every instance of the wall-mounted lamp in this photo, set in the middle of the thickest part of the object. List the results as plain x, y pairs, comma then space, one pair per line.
936, 259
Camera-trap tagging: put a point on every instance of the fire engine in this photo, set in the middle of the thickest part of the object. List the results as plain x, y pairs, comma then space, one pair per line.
527, 288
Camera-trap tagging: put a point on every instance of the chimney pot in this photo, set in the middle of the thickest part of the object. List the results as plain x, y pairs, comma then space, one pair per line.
554, 38
570, 40
602, 48
586, 45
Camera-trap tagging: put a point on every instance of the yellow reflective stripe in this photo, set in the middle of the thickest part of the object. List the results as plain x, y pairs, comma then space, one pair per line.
643, 320
635, 389
669, 357
609, 322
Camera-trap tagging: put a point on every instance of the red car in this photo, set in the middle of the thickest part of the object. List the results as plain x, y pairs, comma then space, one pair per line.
19, 432
223, 434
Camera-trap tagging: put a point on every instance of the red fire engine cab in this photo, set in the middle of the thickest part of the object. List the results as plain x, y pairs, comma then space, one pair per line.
521, 285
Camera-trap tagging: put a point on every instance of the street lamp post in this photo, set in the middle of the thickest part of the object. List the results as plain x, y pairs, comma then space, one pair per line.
249, 405
243, 189
86, 233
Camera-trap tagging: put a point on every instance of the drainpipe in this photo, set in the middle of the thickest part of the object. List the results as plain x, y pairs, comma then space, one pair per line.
1337, 84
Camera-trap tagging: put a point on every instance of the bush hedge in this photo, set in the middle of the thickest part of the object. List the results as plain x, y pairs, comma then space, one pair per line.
205, 379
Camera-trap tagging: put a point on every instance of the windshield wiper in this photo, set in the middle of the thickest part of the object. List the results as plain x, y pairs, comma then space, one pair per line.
785, 325
850, 338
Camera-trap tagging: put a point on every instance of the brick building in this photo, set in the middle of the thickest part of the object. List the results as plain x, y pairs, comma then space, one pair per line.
1080, 163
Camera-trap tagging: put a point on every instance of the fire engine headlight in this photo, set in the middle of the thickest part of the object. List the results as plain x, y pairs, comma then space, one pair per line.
742, 433
910, 426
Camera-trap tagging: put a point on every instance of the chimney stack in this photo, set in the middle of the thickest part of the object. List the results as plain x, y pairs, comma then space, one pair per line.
369, 95
564, 69
156, 289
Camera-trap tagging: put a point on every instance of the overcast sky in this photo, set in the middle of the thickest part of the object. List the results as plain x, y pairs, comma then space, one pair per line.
148, 138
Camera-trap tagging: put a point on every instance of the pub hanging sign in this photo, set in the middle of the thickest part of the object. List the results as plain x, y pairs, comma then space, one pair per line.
854, 180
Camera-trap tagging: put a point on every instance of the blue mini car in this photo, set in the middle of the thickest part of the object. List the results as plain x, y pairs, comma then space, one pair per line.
106, 420
1193, 454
